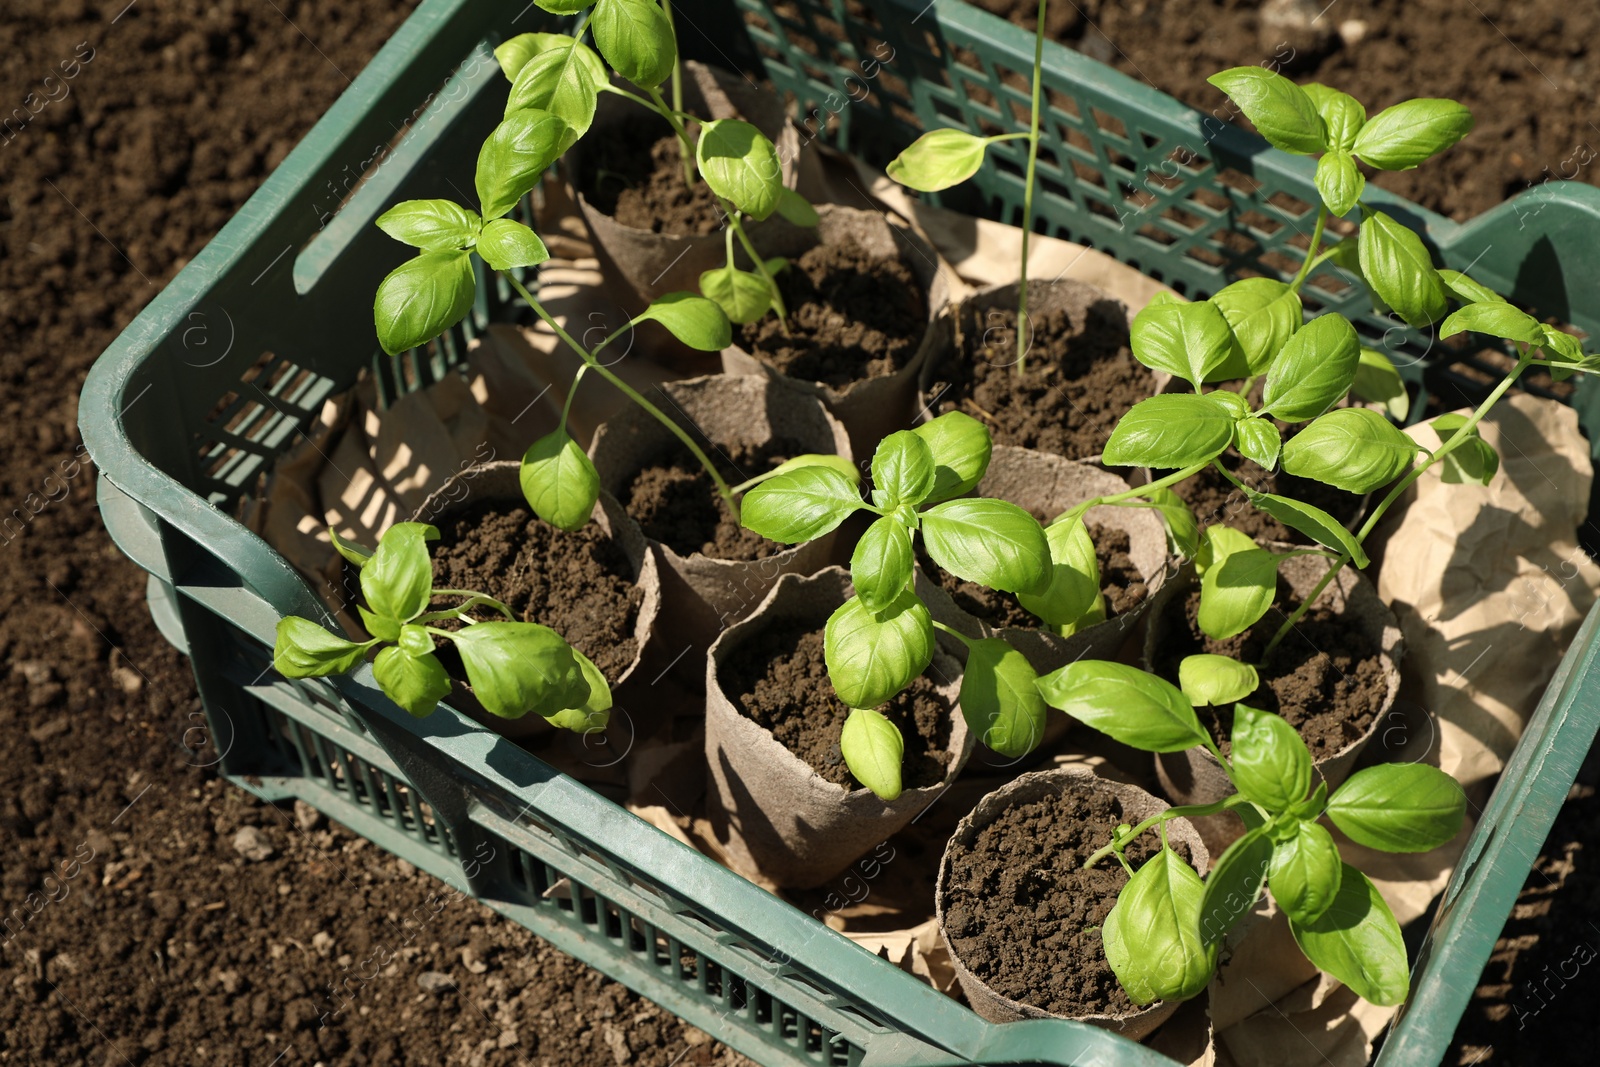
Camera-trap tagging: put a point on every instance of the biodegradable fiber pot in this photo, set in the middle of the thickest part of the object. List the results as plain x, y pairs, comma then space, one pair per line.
639, 264
870, 408
724, 415
778, 817
499, 482
1059, 417
1194, 776
1136, 804
1048, 485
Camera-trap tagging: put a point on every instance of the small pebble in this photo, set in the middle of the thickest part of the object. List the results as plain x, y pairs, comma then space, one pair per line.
252, 844
434, 982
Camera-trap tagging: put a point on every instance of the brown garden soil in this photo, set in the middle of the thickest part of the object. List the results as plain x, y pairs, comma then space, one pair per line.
156, 915
852, 316
633, 172
579, 584
676, 502
1079, 379
1530, 83
1326, 677
1121, 582
779, 681
1024, 915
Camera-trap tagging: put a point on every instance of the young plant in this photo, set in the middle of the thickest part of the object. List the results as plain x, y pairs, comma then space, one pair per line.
515, 668
1163, 935
737, 162
940, 159
883, 636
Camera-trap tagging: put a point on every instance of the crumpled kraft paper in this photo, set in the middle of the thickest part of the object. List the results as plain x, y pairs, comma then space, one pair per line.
1489, 582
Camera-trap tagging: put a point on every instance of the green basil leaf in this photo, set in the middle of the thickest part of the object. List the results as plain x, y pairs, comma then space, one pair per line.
881, 565
1378, 382
1183, 529
1263, 314
1234, 885
1356, 449
414, 639
1464, 289
520, 667
1339, 181
564, 80
592, 715
902, 469
1399, 807
379, 626
801, 505
1314, 805
1206, 678
873, 749
1397, 266
1560, 345
1238, 584
1312, 521
431, 225
871, 655
1279, 108
513, 54
696, 321
990, 542
1237, 406
354, 554
398, 580
559, 481
1152, 934
1358, 942
1342, 114
636, 38
1271, 764
1190, 341
741, 165
810, 459
1074, 588
797, 209
422, 298
961, 447
506, 243
1000, 698
415, 682
1259, 441
743, 296
1474, 460
1402, 136
563, 7
938, 159
1314, 369
1170, 430
515, 156
1305, 872
1497, 320
305, 650
1124, 703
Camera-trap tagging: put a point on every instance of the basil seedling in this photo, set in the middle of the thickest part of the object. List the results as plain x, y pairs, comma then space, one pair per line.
515, 668
1163, 934
883, 636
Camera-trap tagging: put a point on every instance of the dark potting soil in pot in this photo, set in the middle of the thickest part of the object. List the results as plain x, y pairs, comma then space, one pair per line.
578, 584
1120, 580
633, 171
852, 316
1214, 499
1079, 378
676, 502
779, 679
1024, 915
1326, 677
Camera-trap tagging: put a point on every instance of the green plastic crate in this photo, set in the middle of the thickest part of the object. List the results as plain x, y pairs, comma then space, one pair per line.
221, 373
